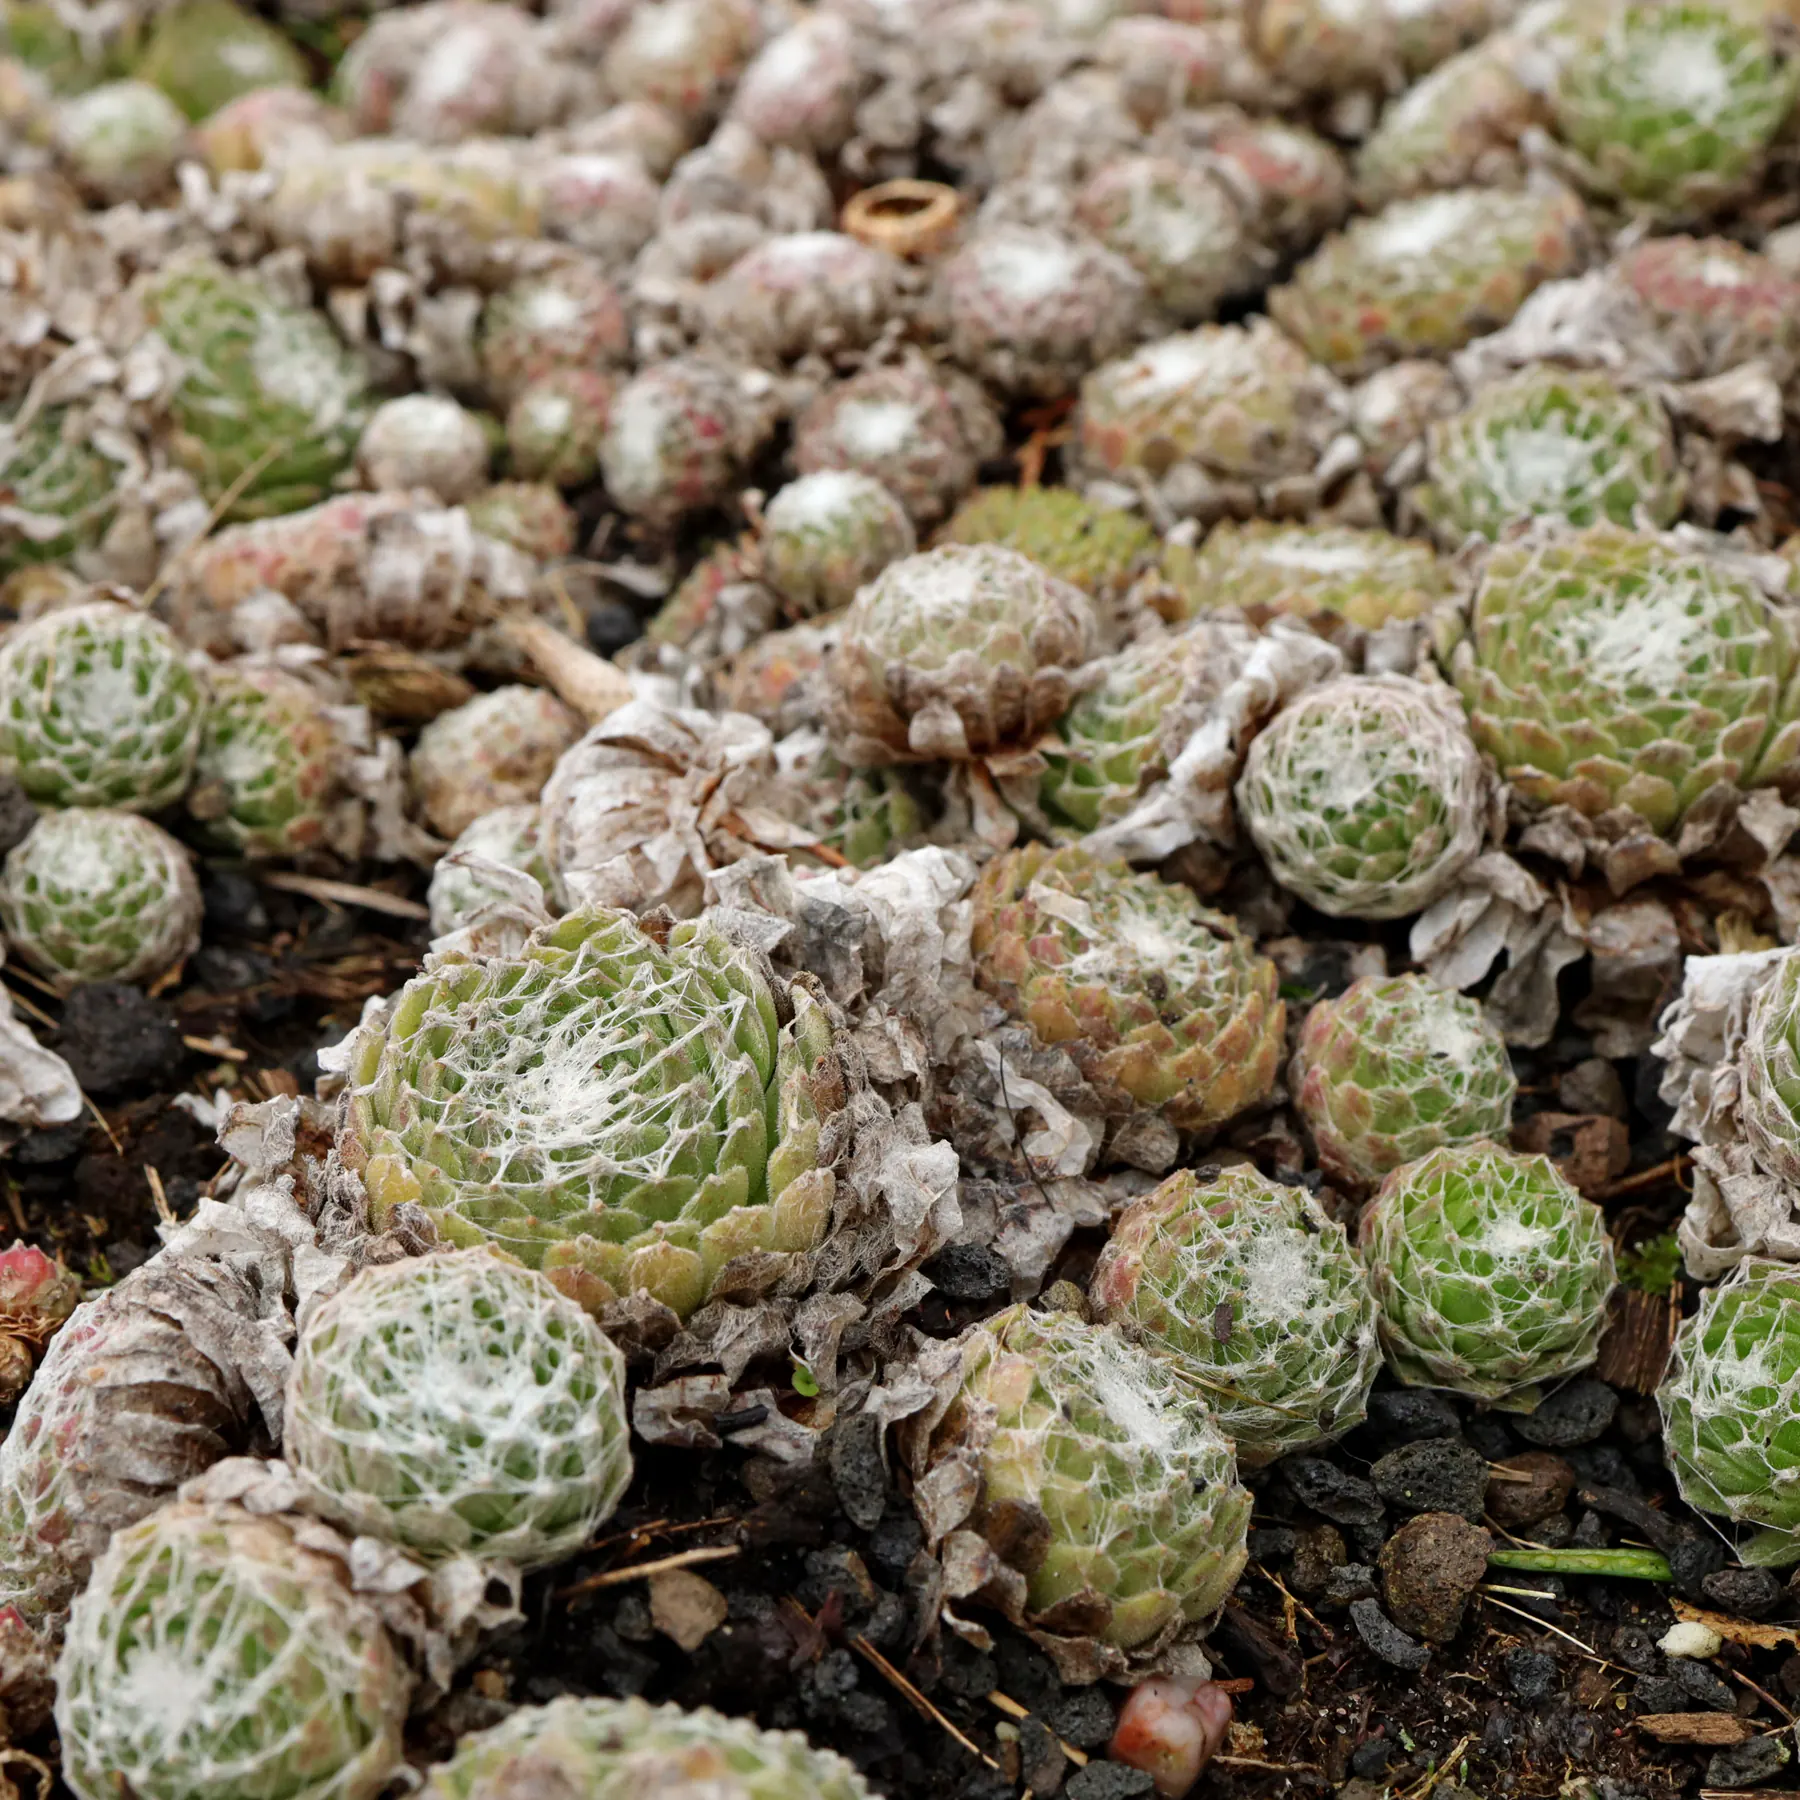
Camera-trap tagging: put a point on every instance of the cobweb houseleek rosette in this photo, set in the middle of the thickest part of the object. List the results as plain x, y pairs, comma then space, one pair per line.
1492, 1274
1731, 1429
631, 1750
1395, 1067
621, 1113
1253, 1290
457, 1404
1104, 1478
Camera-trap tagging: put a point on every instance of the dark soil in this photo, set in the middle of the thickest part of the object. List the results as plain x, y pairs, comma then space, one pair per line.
828, 1617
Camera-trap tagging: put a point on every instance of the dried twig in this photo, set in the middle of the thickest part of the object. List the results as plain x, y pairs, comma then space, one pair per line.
164, 1211
682, 1559
344, 893
1655, 1176
863, 1647
1544, 1625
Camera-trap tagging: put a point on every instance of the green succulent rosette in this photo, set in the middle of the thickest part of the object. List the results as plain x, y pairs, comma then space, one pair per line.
1119, 736
1097, 548
269, 772
1612, 668
1150, 993
270, 403
458, 1405
624, 1114
1258, 1295
1769, 1072
1365, 796
629, 1749
216, 1656
206, 53
508, 835
96, 895
61, 491
1396, 1067
1731, 1430
826, 534
1671, 107
98, 707
1426, 275
1319, 573
1492, 1274
1551, 444
1104, 1478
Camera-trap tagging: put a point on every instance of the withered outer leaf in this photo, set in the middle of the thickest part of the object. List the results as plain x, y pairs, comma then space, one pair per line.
181, 1364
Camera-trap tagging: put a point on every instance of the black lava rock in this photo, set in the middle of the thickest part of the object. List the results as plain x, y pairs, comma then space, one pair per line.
1531, 1674
1370, 1760
114, 1036
51, 1143
1744, 1593
1405, 1415
1084, 1718
1746, 1765
1576, 1414
1385, 1639
1271, 1543
1434, 1475
1109, 1781
233, 904
1332, 1494
1692, 1557
17, 814
1348, 1583
1490, 1436
969, 1272
611, 626
858, 1474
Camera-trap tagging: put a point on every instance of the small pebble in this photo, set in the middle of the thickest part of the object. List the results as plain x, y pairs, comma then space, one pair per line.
1576, 1414
114, 1035
1692, 1558
1351, 1581
1592, 1086
1271, 1543
1746, 1765
1435, 1475
1385, 1639
1490, 1436
1688, 1637
1084, 1717
1744, 1593
611, 626
1701, 1685
1591, 1533
1370, 1760
1514, 1503
1318, 1549
1429, 1568
969, 1272
1531, 1674
1329, 1491
1405, 1415
1108, 1781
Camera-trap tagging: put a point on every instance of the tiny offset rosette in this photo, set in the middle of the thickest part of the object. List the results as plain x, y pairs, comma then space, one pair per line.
1492, 1274
1257, 1295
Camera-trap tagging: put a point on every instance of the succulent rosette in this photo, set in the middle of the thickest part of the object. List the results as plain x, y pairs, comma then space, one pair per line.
1672, 107
1727, 1404
1097, 548
270, 403
1769, 1071
98, 707
96, 895
1366, 796
509, 836
1258, 1294
1151, 993
1315, 572
457, 1404
1104, 1480
1551, 444
1395, 1067
495, 750
827, 534
1426, 275
62, 490
1612, 668
622, 1113
270, 766
1713, 303
1491, 1272
954, 653
612, 1749
217, 1654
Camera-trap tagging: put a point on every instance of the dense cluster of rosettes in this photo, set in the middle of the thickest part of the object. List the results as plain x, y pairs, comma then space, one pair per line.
886, 589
